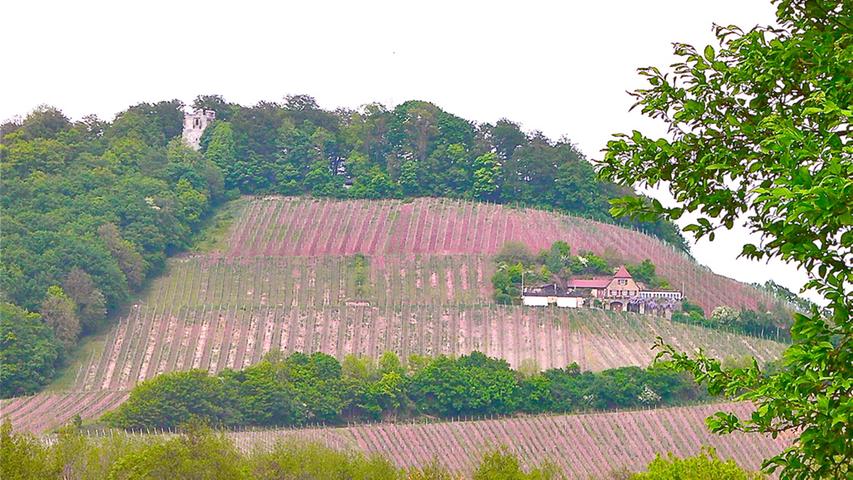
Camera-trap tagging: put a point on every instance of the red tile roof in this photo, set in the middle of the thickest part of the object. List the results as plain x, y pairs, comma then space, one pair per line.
622, 273
588, 283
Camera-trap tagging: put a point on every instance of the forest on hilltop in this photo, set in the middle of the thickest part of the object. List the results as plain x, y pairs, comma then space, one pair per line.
91, 209
415, 149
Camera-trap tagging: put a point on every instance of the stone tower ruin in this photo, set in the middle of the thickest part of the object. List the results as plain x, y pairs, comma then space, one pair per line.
195, 122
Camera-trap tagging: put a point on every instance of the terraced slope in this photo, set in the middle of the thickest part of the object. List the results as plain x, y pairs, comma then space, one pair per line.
583, 446
286, 226
150, 342
284, 281
46, 411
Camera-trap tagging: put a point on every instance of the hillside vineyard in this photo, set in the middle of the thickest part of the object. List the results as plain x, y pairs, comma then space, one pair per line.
286, 278
583, 446
278, 227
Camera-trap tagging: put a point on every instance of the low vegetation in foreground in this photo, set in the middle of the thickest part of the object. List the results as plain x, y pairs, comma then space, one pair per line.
316, 388
199, 453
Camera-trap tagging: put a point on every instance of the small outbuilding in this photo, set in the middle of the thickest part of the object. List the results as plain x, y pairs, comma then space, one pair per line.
552, 294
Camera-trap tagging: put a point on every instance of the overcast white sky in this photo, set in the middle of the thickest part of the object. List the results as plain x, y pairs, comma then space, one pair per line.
559, 67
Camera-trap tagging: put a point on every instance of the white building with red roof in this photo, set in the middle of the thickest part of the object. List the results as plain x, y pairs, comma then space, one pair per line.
619, 293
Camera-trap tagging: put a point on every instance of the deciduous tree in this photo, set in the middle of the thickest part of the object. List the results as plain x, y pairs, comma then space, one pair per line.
60, 313
759, 132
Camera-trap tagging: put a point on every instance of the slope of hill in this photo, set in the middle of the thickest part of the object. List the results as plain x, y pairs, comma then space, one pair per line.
298, 226
286, 278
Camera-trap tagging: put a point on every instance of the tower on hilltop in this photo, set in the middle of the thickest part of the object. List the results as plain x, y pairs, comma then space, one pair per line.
195, 122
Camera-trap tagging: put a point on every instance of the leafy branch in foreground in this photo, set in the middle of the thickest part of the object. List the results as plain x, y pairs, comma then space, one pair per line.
759, 132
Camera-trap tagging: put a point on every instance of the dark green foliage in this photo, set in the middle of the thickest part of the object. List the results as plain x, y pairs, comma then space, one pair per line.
569, 389
317, 384
416, 149
588, 263
168, 401
95, 208
473, 384
558, 258
261, 396
302, 389
28, 351
645, 272
759, 135
513, 253
704, 466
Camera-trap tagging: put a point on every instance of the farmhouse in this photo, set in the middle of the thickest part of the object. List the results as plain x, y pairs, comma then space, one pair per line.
618, 293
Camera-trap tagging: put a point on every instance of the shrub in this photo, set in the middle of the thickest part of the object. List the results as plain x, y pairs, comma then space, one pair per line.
514, 252
704, 466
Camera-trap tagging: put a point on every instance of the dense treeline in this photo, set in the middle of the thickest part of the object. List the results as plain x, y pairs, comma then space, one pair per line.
199, 453
414, 149
316, 388
89, 210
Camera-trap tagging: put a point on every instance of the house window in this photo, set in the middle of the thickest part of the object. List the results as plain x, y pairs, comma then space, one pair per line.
623, 281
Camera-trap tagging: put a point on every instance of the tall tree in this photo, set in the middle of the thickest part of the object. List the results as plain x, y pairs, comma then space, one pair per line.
506, 136
216, 103
91, 305
128, 258
44, 122
28, 351
759, 132
60, 312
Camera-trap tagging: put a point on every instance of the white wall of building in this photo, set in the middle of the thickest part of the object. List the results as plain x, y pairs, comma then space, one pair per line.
534, 301
569, 302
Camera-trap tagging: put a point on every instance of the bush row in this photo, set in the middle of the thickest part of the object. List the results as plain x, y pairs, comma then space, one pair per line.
316, 388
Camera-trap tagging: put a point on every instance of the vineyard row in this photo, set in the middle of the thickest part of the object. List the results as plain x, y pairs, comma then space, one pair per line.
583, 446
279, 227
47, 410
150, 341
322, 281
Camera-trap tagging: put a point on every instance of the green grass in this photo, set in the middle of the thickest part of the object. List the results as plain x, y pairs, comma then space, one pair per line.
214, 234
91, 346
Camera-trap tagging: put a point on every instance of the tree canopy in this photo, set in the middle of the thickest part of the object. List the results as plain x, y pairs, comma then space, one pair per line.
759, 133
316, 388
91, 209
414, 149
